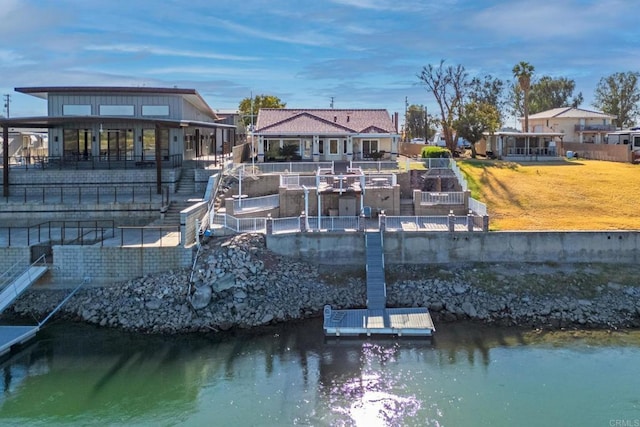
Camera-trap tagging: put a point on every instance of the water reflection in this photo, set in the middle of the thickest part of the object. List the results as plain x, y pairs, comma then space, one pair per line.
278, 375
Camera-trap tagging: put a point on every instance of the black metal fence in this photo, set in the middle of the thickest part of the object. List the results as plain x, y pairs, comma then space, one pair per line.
58, 233
79, 162
82, 194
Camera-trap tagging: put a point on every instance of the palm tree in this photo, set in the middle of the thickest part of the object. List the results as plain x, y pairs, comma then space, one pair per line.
523, 72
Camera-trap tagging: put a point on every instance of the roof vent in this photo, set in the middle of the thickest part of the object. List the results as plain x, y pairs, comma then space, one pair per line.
335, 119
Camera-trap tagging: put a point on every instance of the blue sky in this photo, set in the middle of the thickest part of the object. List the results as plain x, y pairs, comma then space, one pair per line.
363, 53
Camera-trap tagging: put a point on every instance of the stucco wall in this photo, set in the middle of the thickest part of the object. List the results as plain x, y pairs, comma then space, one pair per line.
445, 247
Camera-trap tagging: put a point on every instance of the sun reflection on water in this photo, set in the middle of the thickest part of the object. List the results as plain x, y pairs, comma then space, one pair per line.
371, 396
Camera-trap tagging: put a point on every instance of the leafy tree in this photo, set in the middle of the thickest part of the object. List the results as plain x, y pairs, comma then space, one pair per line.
419, 123
515, 100
476, 119
249, 108
618, 95
549, 92
488, 90
523, 72
448, 86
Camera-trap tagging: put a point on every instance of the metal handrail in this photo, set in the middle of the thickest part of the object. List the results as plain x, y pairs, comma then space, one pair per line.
82, 194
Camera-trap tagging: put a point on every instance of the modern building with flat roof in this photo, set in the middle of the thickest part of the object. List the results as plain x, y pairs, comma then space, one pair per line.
135, 126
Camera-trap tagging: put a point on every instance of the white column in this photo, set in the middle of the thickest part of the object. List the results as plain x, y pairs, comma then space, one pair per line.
580, 136
260, 148
394, 148
349, 148
316, 148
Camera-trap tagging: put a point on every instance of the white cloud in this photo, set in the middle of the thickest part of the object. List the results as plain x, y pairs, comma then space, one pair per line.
143, 49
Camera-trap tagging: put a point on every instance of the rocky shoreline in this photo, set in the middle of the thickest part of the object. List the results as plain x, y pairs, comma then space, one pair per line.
238, 283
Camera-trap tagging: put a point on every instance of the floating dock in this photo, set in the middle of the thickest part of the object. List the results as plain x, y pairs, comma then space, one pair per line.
409, 322
377, 318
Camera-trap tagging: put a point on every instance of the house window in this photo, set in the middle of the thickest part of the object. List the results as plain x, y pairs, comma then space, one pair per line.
271, 148
369, 146
345, 146
321, 146
636, 142
333, 146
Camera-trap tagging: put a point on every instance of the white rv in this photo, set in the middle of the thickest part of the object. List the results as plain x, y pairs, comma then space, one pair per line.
630, 137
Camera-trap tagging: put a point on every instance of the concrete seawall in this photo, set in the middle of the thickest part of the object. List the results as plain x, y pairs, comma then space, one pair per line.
622, 247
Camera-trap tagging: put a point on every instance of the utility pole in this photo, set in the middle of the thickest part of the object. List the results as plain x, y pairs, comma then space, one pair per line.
331, 105
406, 117
7, 101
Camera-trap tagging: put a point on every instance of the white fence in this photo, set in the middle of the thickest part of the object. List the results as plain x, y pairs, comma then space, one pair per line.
256, 203
240, 225
440, 198
477, 207
283, 167
297, 181
350, 223
458, 174
439, 163
378, 166
286, 225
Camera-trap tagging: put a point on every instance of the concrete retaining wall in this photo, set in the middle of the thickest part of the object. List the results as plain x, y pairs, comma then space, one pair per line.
10, 256
444, 247
111, 264
188, 218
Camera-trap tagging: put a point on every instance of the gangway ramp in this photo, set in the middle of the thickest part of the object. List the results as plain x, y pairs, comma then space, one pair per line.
376, 288
377, 319
15, 288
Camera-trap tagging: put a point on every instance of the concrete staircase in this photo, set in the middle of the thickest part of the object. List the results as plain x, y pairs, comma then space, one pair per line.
406, 207
183, 198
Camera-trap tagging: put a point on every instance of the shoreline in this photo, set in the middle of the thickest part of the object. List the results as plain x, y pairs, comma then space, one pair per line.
239, 284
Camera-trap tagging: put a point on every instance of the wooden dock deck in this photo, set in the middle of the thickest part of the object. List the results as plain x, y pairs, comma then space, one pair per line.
410, 322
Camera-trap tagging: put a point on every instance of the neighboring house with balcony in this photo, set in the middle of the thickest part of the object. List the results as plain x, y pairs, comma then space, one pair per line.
326, 135
576, 124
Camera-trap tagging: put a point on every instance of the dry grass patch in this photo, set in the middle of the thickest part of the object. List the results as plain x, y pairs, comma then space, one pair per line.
568, 195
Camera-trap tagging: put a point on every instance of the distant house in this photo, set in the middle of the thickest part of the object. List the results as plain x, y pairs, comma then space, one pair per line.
326, 135
576, 124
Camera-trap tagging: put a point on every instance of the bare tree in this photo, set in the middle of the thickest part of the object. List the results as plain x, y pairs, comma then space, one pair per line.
448, 85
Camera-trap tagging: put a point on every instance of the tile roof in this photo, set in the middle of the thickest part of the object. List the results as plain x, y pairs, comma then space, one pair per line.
311, 121
570, 113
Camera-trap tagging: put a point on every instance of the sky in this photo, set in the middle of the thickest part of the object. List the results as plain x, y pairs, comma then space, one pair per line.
309, 53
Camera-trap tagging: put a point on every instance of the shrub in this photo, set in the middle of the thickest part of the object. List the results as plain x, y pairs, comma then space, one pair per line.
435, 153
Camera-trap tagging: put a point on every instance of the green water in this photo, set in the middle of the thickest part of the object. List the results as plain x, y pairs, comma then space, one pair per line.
468, 376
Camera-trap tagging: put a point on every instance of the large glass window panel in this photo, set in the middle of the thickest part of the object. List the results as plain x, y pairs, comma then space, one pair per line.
76, 110
148, 144
70, 142
116, 110
155, 110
